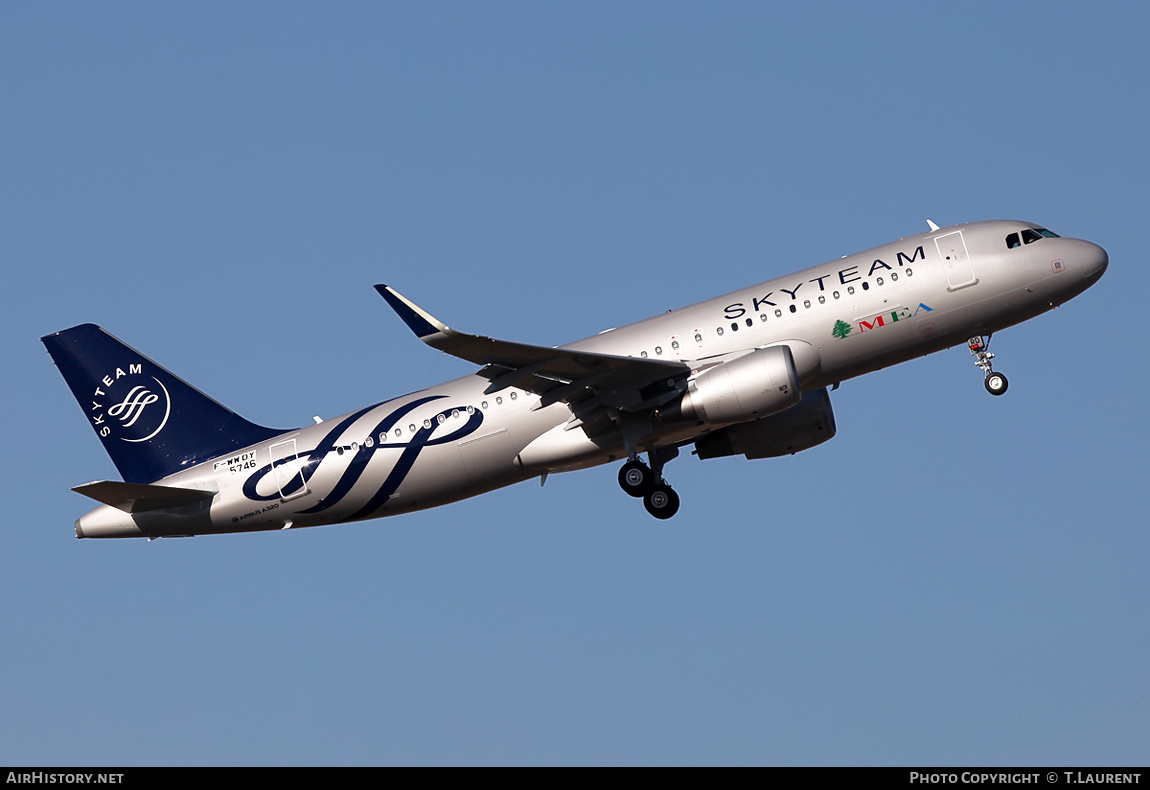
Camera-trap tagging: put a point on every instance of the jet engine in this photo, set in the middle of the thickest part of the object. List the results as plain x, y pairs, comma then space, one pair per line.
754, 385
799, 428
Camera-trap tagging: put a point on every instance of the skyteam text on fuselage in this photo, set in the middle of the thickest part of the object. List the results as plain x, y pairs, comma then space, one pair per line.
742, 374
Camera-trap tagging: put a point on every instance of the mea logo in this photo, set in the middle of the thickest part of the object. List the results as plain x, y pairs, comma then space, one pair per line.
842, 329
130, 405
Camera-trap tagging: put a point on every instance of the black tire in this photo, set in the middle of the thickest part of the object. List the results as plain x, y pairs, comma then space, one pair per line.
636, 478
661, 502
996, 383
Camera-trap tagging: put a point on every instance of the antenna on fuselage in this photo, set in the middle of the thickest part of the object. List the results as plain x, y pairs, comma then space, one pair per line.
930, 222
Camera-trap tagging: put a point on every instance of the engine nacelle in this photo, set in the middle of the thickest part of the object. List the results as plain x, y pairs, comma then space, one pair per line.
760, 383
810, 423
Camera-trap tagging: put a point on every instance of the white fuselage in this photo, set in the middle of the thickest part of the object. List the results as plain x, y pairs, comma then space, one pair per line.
844, 318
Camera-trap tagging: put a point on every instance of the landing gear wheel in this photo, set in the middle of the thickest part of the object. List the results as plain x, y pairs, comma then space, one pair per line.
661, 502
996, 383
636, 478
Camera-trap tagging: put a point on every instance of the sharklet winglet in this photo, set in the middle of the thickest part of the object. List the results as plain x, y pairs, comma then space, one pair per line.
422, 323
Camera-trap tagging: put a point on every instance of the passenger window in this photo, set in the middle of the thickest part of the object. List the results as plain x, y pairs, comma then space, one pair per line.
1012, 241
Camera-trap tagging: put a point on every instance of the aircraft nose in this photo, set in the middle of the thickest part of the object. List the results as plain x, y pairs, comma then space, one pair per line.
1095, 261
1084, 259
1101, 261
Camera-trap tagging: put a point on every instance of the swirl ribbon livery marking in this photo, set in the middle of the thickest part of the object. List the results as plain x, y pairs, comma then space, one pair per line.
353, 473
314, 457
131, 407
135, 403
411, 451
363, 455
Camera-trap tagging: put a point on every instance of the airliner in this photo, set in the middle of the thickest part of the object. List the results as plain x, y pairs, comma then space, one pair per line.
745, 374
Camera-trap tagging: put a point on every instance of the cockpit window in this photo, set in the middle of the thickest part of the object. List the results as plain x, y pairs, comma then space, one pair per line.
1029, 236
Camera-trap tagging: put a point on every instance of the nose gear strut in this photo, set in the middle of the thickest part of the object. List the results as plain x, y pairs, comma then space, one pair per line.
995, 383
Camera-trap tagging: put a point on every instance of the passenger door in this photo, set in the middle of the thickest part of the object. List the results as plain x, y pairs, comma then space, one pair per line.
955, 261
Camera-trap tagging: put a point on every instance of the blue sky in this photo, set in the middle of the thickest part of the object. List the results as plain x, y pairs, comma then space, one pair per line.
954, 579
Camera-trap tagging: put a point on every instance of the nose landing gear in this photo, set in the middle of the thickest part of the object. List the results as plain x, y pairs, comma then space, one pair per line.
640, 480
995, 383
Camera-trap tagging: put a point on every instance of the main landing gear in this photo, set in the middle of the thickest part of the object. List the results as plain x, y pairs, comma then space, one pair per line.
640, 480
995, 383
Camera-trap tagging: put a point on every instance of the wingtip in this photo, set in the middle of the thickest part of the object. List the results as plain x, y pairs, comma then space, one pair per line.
385, 291
422, 323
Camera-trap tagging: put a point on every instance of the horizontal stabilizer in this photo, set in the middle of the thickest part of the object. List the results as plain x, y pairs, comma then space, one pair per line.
138, 497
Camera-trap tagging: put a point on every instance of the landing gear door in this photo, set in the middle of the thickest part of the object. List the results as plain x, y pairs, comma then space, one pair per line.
288, 470
955, 261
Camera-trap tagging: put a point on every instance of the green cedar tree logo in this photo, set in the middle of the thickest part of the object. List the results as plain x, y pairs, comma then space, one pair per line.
841, 329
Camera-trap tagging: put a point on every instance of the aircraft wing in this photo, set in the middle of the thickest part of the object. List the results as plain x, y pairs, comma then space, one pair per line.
555, 374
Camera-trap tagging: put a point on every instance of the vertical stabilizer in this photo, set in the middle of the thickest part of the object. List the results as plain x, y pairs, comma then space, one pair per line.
152, 423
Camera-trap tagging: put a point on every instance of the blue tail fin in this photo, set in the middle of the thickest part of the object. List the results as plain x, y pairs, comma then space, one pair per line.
152, 423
